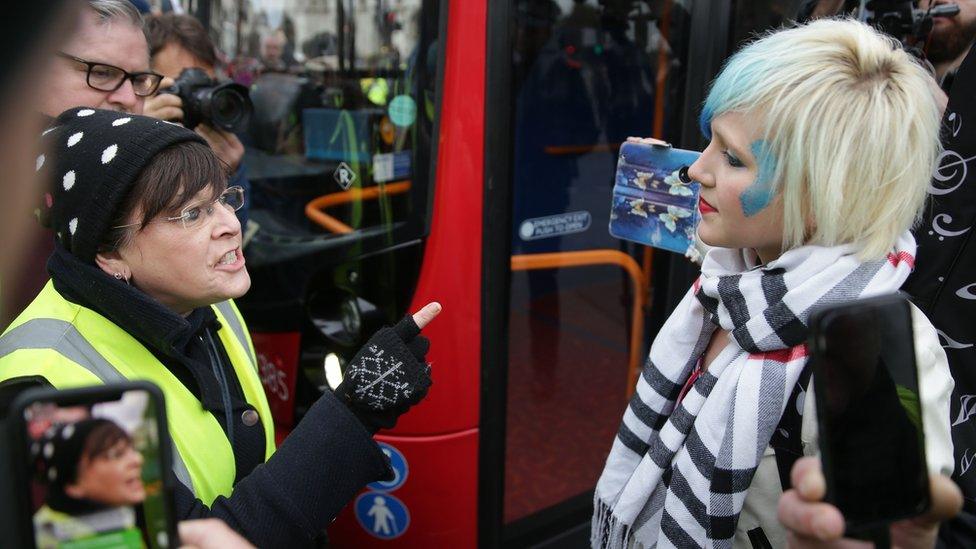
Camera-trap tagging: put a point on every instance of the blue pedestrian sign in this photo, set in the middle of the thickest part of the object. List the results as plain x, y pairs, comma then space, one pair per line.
382, 515
400, 470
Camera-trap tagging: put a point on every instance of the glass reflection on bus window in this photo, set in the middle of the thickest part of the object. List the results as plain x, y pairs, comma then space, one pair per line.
343, 92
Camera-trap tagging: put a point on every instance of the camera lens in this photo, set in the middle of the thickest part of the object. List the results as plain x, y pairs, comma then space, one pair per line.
228, 109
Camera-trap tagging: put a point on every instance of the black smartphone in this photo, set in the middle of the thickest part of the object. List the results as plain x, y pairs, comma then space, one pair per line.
92, 468
869, 412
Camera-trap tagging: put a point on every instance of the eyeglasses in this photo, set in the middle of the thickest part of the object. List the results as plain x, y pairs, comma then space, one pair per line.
194, 215
108, 78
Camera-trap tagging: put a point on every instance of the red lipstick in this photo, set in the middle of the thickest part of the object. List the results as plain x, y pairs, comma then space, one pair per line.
704, 207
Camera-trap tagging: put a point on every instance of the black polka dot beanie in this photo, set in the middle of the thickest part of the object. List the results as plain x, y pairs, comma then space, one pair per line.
57, 453
92, 158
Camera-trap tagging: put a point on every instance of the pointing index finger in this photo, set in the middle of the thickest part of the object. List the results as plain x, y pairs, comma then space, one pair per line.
426, 314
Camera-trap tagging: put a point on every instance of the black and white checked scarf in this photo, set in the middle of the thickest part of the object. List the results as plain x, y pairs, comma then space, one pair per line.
677, 476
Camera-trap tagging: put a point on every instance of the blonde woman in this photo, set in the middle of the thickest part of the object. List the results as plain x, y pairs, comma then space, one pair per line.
822, 141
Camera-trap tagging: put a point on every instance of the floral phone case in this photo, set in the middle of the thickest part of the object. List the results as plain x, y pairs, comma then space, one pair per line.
651, 204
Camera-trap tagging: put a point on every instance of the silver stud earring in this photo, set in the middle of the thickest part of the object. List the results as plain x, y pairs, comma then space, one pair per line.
118, 276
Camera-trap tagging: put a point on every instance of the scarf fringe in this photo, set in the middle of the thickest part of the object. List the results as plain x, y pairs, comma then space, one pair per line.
607, 531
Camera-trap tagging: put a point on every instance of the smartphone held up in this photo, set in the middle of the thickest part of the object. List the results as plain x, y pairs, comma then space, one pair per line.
869, 411
93, 468
654, 202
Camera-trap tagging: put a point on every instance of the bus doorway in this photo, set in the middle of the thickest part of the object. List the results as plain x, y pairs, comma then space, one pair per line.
585, 75
576, 79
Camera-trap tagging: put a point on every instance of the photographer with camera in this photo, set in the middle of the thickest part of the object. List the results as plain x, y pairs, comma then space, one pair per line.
182, 52
951, 37
941, 31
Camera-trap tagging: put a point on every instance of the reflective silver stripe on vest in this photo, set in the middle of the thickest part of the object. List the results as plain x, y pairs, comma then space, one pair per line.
227, 310
179, 468
61, 336
66, 340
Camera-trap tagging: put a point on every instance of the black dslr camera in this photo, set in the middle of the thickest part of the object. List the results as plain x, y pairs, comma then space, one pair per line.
903, 20
224, 106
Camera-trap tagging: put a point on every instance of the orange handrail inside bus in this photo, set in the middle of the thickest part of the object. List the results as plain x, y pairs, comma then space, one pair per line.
556, 260
313, 210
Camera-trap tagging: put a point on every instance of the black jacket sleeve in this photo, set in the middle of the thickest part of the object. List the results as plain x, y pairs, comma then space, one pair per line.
289, 500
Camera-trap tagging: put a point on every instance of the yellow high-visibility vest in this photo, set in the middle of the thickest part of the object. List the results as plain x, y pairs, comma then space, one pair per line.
72, 346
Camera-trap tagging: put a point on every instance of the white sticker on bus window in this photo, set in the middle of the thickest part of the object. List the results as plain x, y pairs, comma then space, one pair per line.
391, 166
344, 176
554, 225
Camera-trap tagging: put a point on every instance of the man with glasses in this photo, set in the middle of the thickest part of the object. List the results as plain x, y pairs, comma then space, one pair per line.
104, 65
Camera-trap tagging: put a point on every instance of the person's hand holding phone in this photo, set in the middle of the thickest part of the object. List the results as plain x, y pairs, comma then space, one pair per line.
89, 466
812, 523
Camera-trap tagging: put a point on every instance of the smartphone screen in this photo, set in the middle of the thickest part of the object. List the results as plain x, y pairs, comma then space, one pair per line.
869, 410
95, 470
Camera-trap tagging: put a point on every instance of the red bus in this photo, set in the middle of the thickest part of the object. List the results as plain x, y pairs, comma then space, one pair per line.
404, 151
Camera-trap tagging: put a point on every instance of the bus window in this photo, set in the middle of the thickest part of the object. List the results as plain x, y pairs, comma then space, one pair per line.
339, 143
587, 74
338, 154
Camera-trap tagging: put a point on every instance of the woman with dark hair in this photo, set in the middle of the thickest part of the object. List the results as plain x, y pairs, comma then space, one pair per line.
146, 265
93, 475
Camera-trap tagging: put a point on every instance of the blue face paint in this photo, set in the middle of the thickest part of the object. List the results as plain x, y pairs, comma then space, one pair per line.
758, 195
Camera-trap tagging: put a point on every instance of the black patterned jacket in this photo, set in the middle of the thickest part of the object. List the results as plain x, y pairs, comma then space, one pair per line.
944, 283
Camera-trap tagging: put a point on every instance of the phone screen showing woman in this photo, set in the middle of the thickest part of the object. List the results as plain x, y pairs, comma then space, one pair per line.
96, 473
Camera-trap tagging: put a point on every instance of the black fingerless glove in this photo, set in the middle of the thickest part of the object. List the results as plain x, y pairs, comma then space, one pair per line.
387, 376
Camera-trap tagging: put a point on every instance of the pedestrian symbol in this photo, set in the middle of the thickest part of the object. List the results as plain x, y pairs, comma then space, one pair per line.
344, 176
382, 515
400, 470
